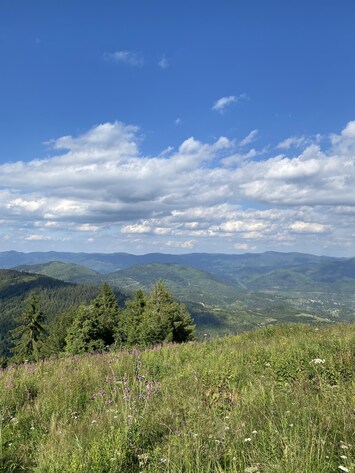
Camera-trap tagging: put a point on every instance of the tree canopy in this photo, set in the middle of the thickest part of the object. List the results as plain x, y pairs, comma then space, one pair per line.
28, 336
146, 320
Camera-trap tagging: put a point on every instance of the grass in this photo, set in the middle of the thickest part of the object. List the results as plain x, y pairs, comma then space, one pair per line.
278, 399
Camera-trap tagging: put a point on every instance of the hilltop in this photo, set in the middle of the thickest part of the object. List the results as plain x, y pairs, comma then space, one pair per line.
277, 399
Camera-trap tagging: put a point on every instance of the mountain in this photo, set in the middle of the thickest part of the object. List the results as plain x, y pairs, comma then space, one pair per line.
69, 272
224, 293
228, 266
186, 283
330, 276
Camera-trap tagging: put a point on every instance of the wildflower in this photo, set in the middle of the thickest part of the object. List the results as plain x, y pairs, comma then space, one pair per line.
343, 468
318, 361
247, 439
343, 457
254, 432
252, 469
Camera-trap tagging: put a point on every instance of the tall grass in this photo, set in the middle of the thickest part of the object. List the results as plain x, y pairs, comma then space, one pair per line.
279, 399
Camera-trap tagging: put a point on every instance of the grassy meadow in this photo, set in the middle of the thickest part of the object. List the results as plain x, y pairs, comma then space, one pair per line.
278, 399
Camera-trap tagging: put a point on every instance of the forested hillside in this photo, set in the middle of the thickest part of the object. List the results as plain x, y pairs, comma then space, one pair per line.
224, 293
56, 297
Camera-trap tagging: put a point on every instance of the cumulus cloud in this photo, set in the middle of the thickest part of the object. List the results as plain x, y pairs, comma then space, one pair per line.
101, 182
127, 57
180, 244
308, 227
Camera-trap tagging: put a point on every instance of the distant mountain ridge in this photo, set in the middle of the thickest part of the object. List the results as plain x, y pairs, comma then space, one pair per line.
110, 262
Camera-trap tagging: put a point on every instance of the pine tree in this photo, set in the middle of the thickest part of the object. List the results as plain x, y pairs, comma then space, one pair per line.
84, 335
94, 325
164, 319
107, 311
28, 336
129, 330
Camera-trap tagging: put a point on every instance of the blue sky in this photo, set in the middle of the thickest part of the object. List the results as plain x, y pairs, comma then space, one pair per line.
222, 126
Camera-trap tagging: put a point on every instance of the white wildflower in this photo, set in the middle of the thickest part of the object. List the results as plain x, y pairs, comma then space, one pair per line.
247, 439
343, 468
318, 361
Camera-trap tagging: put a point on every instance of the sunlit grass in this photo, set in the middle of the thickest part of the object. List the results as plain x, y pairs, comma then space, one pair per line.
257, 402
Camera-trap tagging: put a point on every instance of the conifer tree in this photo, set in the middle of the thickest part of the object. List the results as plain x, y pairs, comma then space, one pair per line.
28, 336
164, 319
107, 312
94, 325
129, 329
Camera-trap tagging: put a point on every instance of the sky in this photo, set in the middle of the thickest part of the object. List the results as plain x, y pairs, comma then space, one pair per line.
170, 126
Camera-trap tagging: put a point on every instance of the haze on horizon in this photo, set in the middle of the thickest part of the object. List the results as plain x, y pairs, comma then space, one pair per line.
154, 127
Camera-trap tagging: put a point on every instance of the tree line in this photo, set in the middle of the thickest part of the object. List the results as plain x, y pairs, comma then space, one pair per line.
147, 319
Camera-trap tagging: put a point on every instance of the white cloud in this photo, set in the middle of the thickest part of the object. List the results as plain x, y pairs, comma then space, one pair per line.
86, 227
128, 57
224, 102
249, 138
38, 238
292, 141
163, 63
241, 246
308, 227
136, 228
242, 226
100, 181
180, 244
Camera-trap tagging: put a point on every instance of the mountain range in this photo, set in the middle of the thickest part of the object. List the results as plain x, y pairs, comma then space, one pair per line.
225, 293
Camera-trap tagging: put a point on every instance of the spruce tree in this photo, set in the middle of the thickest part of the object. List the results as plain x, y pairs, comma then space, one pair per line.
129, 328
28, 336
107, 312
94, 325
164, 319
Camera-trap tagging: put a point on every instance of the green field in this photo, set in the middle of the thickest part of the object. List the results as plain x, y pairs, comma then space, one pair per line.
277, 399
